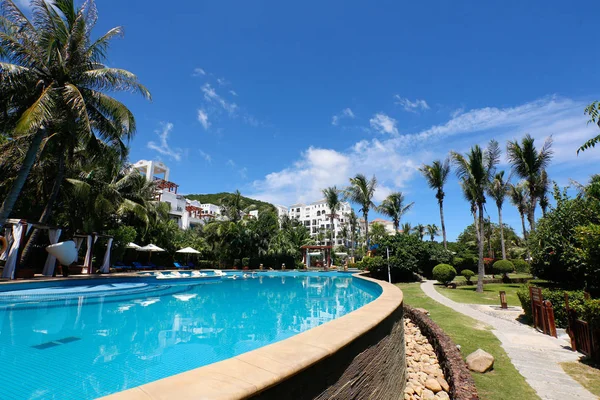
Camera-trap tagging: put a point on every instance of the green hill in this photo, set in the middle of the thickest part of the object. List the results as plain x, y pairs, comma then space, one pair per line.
217, 198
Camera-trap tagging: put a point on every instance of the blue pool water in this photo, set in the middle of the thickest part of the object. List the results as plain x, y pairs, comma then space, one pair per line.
86, 339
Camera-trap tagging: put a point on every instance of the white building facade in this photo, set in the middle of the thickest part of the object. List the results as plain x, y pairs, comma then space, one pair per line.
316, 217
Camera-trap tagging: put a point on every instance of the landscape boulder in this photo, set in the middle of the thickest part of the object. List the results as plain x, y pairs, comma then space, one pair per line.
480, 361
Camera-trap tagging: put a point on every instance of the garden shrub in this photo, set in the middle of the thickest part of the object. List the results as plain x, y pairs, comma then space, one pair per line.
588, 310
503, 267
245, 262
353, 265
557, 298
458, 262
205, 264
521, 266
372, 264
468, 274
444, 273
237, 263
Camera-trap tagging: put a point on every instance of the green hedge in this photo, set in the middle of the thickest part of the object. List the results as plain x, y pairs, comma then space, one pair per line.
206, 264
444, 273
503, 267
521, 266
557, 298
468, 274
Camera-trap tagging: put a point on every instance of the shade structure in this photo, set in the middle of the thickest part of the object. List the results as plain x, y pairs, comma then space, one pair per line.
150, 248
188, 250
132, 246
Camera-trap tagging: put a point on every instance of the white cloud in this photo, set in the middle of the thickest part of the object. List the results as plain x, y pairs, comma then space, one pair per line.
384, 124
163, 147
205, 155
203, 118
346, 113
411, 106
243, 173
199, 72
222, 81
233, 93
394, 160
230, 163
211, 96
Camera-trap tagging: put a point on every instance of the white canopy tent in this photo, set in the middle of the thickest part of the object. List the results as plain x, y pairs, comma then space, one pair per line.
132, 246
187, 251
151, 248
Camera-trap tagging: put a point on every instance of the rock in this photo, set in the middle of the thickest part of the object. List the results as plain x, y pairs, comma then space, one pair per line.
480, 361
442, 396
443, 383
458, 347
433, 385
422, 310
428, 395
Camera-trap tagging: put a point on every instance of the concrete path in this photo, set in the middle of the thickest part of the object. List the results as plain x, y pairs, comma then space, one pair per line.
535, 355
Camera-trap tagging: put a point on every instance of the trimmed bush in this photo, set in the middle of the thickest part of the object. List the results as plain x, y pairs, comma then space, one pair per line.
521, 266
557, 298
458, 263
444, 273
468, 274
503, 267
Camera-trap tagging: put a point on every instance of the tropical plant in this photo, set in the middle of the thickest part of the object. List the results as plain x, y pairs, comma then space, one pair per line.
497, 190
436, 175
444, 273
468, 275
361, 192
593, 110
53, 84
234, 207
393, 206
529, 163
406, 228
432, 231
543, 189
518, 197
475, 170
378, 233
332, 200
419, 230
353, 223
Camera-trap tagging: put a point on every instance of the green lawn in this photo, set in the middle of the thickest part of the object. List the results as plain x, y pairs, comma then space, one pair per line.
490, 295
586, 374
504, 382
460, 278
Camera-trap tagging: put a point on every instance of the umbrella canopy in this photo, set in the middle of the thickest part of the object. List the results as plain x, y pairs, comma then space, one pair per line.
132, 246
188, 250
151, 248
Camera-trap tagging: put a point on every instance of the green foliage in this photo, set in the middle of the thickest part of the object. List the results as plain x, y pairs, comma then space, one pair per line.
521, 266
444, 273
468, 274
372, 264
593, 110
206, 264
218, 198
122, 236
467, 240
503, 267
556, 297
377, 233
245, 262
588, 310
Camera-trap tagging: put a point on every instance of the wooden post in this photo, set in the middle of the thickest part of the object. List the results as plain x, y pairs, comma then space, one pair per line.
503, 303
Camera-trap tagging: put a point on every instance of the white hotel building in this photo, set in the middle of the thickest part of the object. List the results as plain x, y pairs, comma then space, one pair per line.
315, 216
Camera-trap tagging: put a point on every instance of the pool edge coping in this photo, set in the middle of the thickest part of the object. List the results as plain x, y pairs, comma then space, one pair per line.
253, 372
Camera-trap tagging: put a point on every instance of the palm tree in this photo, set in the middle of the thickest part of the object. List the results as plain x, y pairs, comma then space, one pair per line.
361, 191
528, 163
475, 170
406, 228
332, 199
543, 189
233, 206
353, 222
393, 206
497, 190
53, 79
436, 175
419, 230
593, 110
518, 197
468, 194
432, 231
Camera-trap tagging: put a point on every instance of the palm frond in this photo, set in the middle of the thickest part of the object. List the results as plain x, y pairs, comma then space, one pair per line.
40, 113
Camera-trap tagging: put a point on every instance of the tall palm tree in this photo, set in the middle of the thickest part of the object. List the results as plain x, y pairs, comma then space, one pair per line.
436, 175
498, 190
393, 206
419, 230
476, 169
518, 197
353, 223
468, 194
406, 228
528, 163
233, 206
543, 189
432, 231
361, 192
332, 199
54, 79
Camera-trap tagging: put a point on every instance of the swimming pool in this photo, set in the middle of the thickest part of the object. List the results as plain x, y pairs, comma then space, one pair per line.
101, 339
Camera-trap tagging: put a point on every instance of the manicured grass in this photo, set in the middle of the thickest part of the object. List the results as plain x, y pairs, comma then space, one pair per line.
587, 375
460, 278
490, 295
504, 382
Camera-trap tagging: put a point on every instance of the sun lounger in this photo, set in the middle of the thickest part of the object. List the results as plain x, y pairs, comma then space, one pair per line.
179, 266
138, 266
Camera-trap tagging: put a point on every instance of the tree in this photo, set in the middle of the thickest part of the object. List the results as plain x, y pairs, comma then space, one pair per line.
54, 79
528, 163
470, 197
475, 170
361, 192
497, 190
332, 199
436, 175
432, 231
419, 230
378, 233
543, 189
593, 110
406, 228
234, 208
518, 197
353, 223
393, 206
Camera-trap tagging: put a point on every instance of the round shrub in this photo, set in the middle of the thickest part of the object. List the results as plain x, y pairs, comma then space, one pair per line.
503, 267
521, 266
444, 273
468, 274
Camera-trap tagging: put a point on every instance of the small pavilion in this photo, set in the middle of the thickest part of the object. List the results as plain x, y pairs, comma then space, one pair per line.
326, 250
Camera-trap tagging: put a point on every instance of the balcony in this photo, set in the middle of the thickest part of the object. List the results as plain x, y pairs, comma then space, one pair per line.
161, 184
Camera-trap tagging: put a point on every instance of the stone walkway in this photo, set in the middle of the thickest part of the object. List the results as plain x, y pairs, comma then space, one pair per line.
535, 355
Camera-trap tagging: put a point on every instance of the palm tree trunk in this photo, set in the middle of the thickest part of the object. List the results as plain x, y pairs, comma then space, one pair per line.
366, 216
443, 224
476, 225
480, 266
501, 233
58, 180
15, 190
523, 225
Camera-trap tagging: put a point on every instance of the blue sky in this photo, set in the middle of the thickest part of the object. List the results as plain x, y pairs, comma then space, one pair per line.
281, 99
